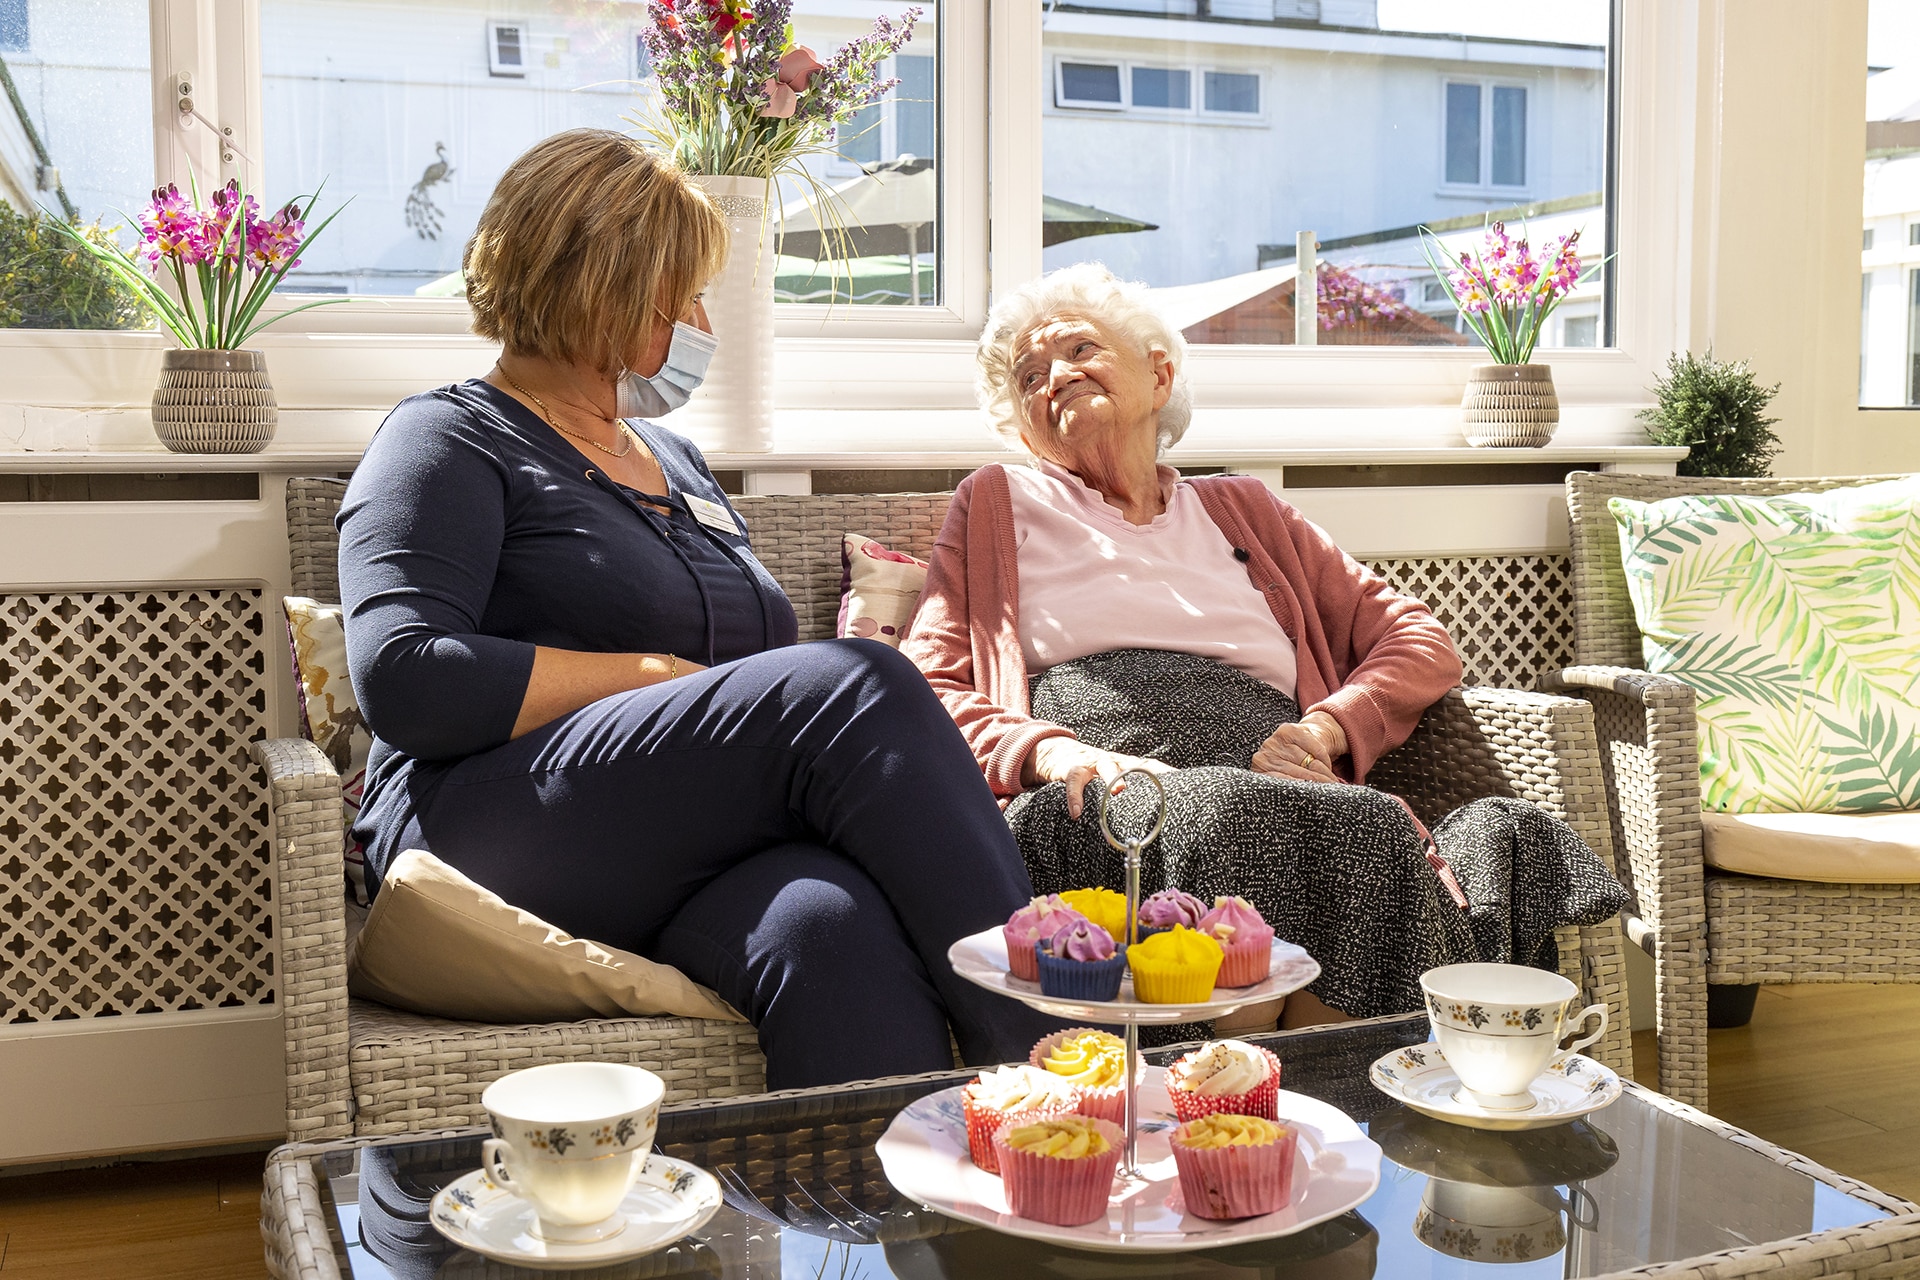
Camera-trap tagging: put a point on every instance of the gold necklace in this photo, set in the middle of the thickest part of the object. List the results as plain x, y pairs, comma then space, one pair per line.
626, 437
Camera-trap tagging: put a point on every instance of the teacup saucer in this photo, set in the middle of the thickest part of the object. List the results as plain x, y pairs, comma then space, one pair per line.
1420, 1077
670, 1200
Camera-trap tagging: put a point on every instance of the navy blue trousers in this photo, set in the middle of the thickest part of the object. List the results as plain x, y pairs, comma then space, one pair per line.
803, 830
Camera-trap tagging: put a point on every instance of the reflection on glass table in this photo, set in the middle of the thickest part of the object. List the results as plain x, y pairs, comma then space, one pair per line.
1633, 1184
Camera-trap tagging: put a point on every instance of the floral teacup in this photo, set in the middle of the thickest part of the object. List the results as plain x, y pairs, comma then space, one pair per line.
1500, 1026
570, 1138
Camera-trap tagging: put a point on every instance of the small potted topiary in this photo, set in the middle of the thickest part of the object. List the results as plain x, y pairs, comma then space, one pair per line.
1715, 408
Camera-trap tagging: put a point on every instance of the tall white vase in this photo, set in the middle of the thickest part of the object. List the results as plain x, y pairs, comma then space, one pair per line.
732, 412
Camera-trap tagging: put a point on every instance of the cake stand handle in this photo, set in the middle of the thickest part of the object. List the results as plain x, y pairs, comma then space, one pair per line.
1130, 1162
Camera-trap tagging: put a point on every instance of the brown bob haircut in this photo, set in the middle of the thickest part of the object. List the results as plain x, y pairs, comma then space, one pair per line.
585, 236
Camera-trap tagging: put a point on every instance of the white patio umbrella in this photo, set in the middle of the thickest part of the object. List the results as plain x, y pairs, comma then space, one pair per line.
888, 209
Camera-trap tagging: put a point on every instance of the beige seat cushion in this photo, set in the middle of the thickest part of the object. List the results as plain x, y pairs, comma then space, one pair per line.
439, 944
1835, 848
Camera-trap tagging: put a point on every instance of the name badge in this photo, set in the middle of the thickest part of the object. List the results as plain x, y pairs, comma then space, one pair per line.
711, 514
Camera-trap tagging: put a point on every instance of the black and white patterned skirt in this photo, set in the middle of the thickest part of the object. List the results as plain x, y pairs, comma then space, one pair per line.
1339, 870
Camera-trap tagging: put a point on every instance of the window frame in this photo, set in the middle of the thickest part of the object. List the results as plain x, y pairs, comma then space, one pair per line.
497, 68
1486, 187
1062, 102
911, 374
1212, 115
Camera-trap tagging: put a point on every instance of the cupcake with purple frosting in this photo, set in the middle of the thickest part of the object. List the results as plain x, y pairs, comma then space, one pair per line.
1167, 908
1080, 962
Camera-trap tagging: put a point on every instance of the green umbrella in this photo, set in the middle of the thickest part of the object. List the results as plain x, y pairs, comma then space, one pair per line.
882, 278
1063, 220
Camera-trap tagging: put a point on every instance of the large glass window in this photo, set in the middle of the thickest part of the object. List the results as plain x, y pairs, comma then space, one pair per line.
412, 112
1188, 146
1890, 239
76, 140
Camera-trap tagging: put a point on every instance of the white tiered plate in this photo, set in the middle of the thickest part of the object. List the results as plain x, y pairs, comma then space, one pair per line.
924, 1153
670, 1200
981, 958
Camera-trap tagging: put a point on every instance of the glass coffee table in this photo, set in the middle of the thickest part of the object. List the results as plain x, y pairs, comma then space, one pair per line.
1640, 1183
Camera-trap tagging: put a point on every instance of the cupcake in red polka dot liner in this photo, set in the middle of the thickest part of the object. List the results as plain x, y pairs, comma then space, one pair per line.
1039, 920
1225, 1075
1246, 942
1016, 1094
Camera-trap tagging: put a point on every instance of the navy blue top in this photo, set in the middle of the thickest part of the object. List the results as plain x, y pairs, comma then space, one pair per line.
471, 533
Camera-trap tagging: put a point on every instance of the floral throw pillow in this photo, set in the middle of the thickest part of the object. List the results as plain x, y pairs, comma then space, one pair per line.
879, 590
1796, 619
329, 715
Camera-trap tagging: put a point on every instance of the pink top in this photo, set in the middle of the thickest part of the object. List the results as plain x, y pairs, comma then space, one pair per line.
1368, 656
1091, 580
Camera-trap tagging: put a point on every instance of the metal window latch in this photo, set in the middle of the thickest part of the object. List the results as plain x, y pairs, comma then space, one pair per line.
183, 96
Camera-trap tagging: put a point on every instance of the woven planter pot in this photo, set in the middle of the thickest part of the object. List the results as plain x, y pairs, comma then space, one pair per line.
214, 402
1510, 406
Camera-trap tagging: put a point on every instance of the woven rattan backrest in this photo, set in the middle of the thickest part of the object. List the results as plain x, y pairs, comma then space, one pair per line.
313, 544
1508, 614
1604, 631
798, 539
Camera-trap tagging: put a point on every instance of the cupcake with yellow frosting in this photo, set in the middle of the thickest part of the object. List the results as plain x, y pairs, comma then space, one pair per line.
1102, 906
1094, 1062
1235, 1166
1011, 1093
1225, 1076
1175, 967
1058, 1171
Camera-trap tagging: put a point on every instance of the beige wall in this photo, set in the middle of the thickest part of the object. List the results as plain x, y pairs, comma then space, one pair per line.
1777, 221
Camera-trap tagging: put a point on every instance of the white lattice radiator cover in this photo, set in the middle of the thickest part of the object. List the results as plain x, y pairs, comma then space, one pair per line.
1511, 617
134, 863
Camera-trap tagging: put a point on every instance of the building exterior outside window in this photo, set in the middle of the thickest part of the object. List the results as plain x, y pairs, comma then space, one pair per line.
1890, 243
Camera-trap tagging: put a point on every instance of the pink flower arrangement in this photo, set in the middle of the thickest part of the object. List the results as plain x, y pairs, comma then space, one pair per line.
738, 96
236, 257
1508, 291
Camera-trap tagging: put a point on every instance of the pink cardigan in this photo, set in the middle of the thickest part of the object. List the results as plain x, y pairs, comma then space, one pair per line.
1369, 657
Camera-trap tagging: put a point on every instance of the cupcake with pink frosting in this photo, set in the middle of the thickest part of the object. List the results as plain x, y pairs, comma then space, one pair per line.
1246, 942
1080, 962
1039, 920
1170, 907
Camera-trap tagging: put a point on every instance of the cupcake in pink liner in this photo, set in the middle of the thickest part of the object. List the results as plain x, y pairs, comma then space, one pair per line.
1039, 920
1080, 962
1011, 1093
1225, 1075
1092, 1062
1168, 908
1058, 1171
1235, 1166
1246, 942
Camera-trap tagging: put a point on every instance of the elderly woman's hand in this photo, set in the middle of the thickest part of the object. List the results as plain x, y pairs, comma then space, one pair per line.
1304, 751
1075, 763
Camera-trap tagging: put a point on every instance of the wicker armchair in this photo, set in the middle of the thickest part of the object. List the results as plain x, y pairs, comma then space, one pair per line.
356, 1069
1700, 926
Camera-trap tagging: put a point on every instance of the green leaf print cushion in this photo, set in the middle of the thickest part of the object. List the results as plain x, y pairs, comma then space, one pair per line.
1796, 619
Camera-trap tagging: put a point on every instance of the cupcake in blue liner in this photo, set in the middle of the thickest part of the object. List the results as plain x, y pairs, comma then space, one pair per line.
1161, 911
1080, 962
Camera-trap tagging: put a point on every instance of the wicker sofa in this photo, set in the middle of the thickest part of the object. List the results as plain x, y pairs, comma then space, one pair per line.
355, 1068
1702, 927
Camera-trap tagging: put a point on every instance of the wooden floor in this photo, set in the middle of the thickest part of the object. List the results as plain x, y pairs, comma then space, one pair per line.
1832, 1072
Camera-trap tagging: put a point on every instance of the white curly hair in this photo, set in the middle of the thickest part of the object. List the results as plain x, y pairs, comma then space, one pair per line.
1092, 292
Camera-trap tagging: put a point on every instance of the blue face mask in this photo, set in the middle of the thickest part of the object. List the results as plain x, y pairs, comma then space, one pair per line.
688, 356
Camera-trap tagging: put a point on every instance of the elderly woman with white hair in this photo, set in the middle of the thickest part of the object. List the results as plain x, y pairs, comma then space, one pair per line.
1097, 613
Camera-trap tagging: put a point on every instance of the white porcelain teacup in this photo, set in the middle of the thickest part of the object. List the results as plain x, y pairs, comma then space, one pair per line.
1500, 1026
570, 1139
